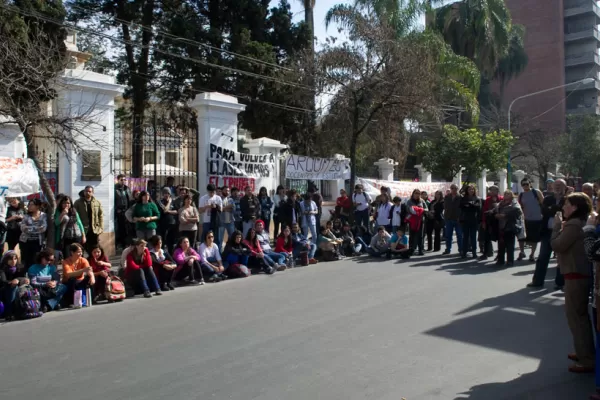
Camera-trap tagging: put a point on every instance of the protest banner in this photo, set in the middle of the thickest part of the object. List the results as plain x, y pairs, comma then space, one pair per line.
134, 184
234, 169
18, 177
402, 189
314, 169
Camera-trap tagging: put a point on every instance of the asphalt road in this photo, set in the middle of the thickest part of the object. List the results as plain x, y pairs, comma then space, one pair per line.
435, 328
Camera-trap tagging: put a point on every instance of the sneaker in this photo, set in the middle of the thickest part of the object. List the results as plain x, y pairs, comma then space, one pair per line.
214, 279
164, 287
483, 258
147, 295
280, 267
158, 293
269, 270
171, 286
532, 258
313, 261
194, 282
446, 251
223, 277
521, 257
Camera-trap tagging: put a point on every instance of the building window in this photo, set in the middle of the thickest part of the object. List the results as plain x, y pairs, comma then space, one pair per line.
172, 158
91, 165
149, 157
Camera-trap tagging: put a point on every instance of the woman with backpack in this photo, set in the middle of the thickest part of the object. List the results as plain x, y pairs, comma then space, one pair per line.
12, 275
102, 270
33, 232
45, 278
139, 270
68, 228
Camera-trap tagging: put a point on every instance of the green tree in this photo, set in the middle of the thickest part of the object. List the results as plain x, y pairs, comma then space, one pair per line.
581, 146
470, 149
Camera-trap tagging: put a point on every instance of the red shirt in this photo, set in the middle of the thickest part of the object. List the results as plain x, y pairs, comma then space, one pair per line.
280, 246
95, 266
344, 202
487, 204
132, 264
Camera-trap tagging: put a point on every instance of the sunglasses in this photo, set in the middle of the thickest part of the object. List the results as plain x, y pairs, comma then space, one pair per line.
210, 237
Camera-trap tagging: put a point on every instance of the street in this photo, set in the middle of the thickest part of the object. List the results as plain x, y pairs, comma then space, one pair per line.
352, 329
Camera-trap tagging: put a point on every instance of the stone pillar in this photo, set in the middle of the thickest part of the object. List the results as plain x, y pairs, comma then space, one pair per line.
482, 184
339, 184
91, 95
520, 175
217, 124
458, 178
386, 168
535, 180
502, 180
424, 175
266, 146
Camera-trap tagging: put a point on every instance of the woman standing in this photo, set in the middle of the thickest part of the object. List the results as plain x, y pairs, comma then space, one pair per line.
33, 232
384, 210
145, 216
188, 220
139, 270
568, 243
168, 219
510, 222
68, 228
416, 208
266, 205
15, 213
435, 222
470, 206
277, 200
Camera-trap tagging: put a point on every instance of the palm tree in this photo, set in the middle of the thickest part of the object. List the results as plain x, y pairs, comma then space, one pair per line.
309, 20
515, 60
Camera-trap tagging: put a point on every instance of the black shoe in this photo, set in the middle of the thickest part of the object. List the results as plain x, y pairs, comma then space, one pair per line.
420, 253
558, 287
269, 270
193, 283
474, 256
223, 277
147, 295
510, 264
44, 309
500, 263
463, 256
388, 256
446, 251
483, 258
535, 285
214, 279
171, 286
164, 287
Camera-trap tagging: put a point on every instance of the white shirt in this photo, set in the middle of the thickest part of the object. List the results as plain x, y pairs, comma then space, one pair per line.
362, 201
383, 214
205, 201
396, 214
209, 252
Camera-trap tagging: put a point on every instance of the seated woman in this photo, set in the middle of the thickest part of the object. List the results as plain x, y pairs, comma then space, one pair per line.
257, 257
284, 245
139, 272
12, 275
102, 270
211, 258
188, 263
236, 255
77, 272
162, 263
329, 244
45, 278
303, 246
349, 245
337, 227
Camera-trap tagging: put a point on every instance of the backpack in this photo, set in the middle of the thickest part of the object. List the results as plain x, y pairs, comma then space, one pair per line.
114, 289
28, 303
237, 271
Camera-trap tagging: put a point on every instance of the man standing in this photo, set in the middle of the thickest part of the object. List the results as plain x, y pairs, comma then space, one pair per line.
531, 201
361, 202
123, 200
171, 186
552, 204
452, 218
549, 187
488, 205
227, 223
211, 206
588, 188
250, 207
91, 215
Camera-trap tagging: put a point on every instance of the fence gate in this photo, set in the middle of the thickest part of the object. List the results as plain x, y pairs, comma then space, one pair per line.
165, 147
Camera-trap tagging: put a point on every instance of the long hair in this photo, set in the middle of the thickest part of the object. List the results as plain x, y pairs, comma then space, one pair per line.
72, 212
469, 186
435, 196
583, 203
288, 239
249, 237
234, 235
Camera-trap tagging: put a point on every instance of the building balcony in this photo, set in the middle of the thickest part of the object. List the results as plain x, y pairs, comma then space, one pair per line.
583, 86
584, 109
589, 57
575, 8
584, 34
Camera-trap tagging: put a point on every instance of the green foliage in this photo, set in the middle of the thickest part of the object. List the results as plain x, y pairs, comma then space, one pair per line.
581, 147
469, 149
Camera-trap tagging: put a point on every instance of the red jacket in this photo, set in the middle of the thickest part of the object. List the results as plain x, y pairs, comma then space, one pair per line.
415, 220
487, 204
280, 245
344, 202
132, 265
95, 266
254, 247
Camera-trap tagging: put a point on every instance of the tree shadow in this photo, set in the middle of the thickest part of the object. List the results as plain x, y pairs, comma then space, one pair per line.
530, 324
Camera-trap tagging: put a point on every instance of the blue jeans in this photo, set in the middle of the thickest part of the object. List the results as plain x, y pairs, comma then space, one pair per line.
469, 238
597, 334
313, 232
207, 270
364, 246
9, 296
60, 292
225, 227
362, 218
541, 265
272, 257
300, 249
450, 227
235, 259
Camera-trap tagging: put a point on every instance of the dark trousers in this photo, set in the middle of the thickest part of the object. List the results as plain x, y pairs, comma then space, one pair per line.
164, 275
121, 234
578, 319
144, 279
469, 238
276, 226
169, 234
12, 238
192, 272
8, 294
506, 246
29, 250
415, 240
434, 235
191, 235
597, 334
73, 285
91, 240
541, 265
488, 248
361, 218
402, 254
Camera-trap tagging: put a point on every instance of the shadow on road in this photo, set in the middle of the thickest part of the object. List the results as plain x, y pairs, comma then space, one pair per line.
530, 324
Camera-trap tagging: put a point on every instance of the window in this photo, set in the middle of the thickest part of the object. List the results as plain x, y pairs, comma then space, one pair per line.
172, 158
149, 157
91, 169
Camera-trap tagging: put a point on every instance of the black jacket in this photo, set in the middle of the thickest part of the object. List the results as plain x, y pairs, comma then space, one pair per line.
250, 207
123, 198
286, 212
470, 210
549, 209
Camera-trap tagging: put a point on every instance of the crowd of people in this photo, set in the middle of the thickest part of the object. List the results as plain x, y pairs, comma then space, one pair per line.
177, 237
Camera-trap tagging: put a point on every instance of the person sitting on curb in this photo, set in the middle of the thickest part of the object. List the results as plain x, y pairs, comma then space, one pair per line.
380, 243
211, 257
236, 255
139, 270
12, 275
188, 263
278, 259
102, 270
77, 272
162, 263
45, 278
349, 245
399, 245
284, 245
329, 244
303, 245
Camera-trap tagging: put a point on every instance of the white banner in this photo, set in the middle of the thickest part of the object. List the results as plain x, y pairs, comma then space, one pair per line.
18, 177
402, 189
231, 168
326, 169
